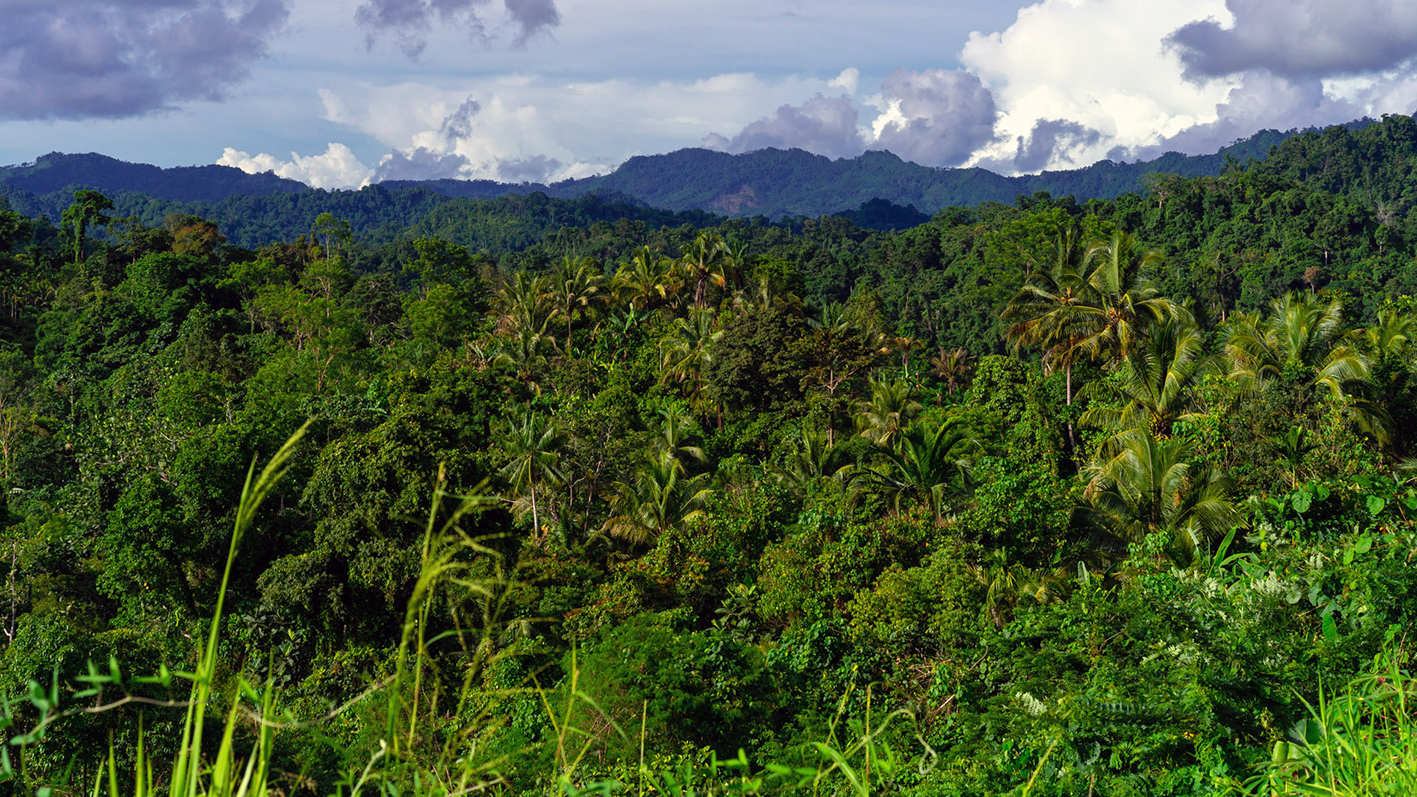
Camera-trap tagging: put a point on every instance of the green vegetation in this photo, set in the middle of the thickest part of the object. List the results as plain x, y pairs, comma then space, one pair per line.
570, 497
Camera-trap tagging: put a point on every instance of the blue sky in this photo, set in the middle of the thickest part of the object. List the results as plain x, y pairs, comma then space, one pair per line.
341, 92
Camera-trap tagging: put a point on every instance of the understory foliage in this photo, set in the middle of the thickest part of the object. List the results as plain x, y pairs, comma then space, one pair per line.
1044, 499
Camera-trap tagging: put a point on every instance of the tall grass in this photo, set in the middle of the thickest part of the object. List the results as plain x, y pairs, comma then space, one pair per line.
432, 736
1359, 743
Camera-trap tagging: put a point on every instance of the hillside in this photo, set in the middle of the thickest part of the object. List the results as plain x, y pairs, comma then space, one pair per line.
770, 182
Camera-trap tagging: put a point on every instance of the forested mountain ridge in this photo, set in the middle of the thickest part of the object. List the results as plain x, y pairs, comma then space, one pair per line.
771, 182
1045, 497
58, 172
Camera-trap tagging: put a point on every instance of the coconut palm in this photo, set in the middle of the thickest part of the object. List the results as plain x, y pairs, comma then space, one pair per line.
1149, 486
891, 408
524, 304
672, 437
831, 316
658, 498
534, 443
1303, 331
811, 458
576, 285
1390, 339
688, 350
953, 367
647, 279
930, 465
706, 261
1052, 307
1125, 303
1154, 386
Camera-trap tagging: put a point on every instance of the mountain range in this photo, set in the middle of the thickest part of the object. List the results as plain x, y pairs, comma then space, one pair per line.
769, 182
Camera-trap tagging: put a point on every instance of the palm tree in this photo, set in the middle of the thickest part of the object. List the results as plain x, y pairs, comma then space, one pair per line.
831, 316
811, 458
1302, 330
1125, 301
766, 294
891, 408
647, 279
1390, 339
930, 465
524, 304
673, 435
953, 367
706, 261
657, 499
1148, 486
1052, 307
534, 444
1156, 381
688, 350
523, 350
576, 285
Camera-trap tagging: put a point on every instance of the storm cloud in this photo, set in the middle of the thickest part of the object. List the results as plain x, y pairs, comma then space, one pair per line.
123, 58
1301, 38
458, 124
419, 164
938, 117
1262, 101
1049, 138
409, 21
823, 125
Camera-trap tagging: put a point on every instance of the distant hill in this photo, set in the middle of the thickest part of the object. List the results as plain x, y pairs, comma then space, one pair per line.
769, 182
776, 183
60, 172
1374, 163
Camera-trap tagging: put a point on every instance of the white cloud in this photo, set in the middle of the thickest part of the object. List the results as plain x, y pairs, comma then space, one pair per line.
1099, 63
575, 129
336, 168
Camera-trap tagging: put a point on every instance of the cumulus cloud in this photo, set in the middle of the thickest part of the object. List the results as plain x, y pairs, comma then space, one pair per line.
521, 128
120, 58
1300, 38
458, 124
536, 169
1261, 101
824, 125
419, 164
1097, 63
338, 167
409, 21
1049, 139
938, 117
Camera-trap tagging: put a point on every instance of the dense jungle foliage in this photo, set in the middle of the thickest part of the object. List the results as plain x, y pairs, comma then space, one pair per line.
1041, 498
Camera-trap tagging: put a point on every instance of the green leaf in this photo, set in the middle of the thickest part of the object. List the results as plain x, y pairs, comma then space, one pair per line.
1364, 544
1301, 501
1330, 628
1376, 504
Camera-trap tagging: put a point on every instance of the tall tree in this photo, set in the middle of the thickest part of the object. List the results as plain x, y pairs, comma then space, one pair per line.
88, 209
706, 261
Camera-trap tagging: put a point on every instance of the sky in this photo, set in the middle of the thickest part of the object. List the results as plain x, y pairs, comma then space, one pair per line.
341, 93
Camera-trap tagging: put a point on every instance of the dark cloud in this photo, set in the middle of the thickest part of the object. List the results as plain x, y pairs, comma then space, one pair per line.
824, 125
1051, 137
948, 115
409, 21
420, 164
116, 58
1301, 38
536, 169
533, 16
458, 125
1261, 101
